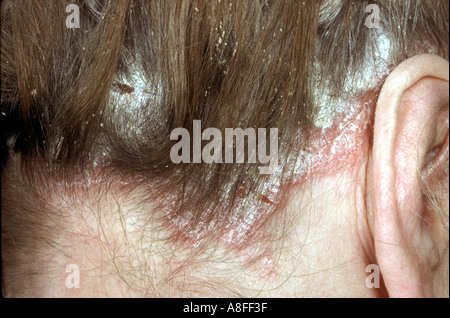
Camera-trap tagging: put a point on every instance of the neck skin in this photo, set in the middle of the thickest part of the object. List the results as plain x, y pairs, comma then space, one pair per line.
320, 246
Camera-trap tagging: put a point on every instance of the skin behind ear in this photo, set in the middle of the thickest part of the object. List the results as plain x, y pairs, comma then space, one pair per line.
410, 142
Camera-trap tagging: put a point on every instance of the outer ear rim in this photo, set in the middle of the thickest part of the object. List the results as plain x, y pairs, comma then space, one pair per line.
398, 82
385, 224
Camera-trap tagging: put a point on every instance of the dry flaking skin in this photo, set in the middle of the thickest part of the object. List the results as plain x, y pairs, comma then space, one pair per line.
334, 147
100, 106
341, 124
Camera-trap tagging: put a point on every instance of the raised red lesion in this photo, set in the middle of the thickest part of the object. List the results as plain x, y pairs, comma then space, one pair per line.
122, 88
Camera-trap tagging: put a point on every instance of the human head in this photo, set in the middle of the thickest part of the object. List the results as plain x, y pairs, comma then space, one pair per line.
95, 106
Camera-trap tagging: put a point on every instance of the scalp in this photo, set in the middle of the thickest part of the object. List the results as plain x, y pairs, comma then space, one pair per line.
94, 109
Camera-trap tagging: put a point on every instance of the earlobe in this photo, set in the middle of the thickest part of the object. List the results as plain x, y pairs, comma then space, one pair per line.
409, 134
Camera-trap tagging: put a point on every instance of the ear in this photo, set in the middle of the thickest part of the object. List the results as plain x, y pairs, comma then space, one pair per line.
410, 150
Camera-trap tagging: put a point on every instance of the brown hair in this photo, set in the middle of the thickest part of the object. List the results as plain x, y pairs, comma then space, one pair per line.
226, 63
